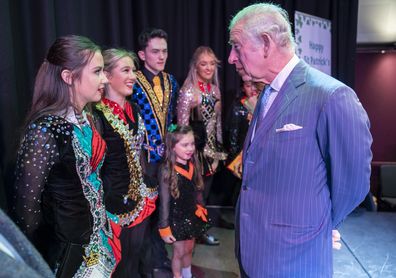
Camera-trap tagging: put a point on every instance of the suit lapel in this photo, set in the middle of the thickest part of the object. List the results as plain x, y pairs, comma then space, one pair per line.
287, 94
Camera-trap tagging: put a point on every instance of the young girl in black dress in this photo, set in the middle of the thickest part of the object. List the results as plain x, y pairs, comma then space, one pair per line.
182, 214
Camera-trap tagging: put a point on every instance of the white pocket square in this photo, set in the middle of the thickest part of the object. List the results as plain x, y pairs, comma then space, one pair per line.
288, 127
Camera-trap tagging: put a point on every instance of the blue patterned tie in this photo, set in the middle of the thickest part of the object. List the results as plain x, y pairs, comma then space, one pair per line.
263, 103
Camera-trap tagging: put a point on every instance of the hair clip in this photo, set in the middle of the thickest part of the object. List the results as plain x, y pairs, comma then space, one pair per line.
172, 128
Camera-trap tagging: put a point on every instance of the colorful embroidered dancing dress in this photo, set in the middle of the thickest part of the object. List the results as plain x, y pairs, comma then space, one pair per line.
199, 103
129, 194
58, 200
179, 214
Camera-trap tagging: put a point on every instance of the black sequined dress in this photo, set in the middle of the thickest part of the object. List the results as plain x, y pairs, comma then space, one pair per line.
179, 214
58, 195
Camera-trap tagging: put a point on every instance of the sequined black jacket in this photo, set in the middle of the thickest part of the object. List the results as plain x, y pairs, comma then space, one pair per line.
48, 203
115, 171
237, 125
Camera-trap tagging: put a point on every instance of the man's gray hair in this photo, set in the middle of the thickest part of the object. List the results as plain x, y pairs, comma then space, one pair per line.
266, 18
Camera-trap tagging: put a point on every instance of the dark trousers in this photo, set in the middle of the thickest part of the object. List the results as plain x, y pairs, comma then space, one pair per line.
155, 254
132, 240
159, 255
208, 180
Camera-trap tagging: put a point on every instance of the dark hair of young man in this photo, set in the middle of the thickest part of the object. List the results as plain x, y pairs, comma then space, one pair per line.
149, 34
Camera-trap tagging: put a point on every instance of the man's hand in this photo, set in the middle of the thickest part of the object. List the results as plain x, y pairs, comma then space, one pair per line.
336, 236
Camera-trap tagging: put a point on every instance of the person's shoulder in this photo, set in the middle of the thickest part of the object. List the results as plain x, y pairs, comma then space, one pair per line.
214, 86
140, 78
169, 75
139, 74
97, 108
216, 89
50, 123
171, 78
323, 83
33, 265
98, 116
318, 77
10, 267
187, 90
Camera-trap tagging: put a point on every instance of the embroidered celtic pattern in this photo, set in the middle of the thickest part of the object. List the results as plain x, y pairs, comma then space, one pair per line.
137, 189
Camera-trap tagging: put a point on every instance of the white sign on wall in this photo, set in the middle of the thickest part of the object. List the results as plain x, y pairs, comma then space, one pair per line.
313, 39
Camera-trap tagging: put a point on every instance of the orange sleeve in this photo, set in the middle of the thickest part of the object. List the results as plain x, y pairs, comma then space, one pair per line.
165, 232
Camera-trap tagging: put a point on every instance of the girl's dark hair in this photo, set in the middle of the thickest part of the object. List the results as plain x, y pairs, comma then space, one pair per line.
51, 94
168, 175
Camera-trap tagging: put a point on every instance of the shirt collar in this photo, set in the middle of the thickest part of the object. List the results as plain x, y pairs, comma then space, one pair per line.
149, 75
280, 79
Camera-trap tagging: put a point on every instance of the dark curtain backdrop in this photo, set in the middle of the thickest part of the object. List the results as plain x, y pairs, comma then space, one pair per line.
27, 29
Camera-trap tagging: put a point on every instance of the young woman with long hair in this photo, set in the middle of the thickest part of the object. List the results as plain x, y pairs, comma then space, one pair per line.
58, 199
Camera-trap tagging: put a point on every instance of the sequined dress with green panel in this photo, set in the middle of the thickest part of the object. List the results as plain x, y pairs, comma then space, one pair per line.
58, 198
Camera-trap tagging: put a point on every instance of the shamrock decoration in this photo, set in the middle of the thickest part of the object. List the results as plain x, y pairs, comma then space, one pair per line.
172, 128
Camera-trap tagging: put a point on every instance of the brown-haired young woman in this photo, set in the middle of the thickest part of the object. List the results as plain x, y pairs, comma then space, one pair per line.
58, 200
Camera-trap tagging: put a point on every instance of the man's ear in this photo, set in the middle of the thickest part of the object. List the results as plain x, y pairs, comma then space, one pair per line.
67, 76
266, 43
141, 55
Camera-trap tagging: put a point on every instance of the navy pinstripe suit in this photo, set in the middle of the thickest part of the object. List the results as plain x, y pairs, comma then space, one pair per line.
298, 185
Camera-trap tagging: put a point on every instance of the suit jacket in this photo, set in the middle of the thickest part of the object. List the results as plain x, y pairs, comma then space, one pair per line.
299, 185
33, 264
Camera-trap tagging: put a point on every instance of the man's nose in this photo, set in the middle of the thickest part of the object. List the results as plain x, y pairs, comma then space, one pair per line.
232, 57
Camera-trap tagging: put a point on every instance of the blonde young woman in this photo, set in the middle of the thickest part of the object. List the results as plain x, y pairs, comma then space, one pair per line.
129, 195
200, 102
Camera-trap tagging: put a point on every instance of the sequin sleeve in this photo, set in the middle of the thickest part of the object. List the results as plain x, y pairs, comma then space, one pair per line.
164, 203
219, 134
234, 121
184, 104
36, 156
199, 197
174, 98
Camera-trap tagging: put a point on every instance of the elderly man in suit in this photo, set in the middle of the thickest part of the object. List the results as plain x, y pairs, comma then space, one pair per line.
307, 155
